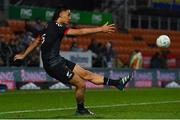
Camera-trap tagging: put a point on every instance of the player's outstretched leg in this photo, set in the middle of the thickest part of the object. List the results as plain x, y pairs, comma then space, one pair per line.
99, 79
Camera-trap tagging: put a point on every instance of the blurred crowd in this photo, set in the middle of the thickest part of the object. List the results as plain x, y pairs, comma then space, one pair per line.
8, 48
103, 55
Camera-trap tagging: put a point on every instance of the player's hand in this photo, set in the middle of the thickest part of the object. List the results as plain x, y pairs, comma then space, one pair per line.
108, 28
19, 57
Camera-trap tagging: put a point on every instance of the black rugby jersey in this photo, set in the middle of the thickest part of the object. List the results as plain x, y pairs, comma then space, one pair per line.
51, 41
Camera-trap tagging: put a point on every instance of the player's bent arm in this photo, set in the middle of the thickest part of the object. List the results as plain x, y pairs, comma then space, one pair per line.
84, 31
31, 47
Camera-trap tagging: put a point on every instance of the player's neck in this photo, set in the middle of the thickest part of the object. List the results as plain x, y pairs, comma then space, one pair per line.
59, 21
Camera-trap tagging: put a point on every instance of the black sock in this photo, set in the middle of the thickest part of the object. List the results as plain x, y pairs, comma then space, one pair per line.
108, 81
80, 106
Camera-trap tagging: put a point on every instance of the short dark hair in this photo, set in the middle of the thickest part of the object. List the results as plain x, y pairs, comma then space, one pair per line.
58, 10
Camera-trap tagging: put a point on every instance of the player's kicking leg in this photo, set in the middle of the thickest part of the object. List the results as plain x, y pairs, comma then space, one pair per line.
99, 79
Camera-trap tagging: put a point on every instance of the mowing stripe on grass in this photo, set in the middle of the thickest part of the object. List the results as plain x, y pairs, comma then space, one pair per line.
99, 106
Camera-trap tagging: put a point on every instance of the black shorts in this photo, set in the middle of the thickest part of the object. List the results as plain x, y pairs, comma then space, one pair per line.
61, 69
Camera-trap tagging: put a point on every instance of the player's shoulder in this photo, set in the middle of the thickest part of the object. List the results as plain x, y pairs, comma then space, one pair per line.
51, 23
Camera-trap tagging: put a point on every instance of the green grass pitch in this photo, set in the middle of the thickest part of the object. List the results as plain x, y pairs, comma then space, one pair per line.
105, 103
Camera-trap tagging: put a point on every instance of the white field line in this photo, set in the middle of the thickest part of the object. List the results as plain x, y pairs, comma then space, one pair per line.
99, 106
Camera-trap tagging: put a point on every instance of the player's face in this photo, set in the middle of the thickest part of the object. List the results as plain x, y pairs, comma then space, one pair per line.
65, 16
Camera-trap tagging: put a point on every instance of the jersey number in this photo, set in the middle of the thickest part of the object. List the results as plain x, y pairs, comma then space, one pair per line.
43, 38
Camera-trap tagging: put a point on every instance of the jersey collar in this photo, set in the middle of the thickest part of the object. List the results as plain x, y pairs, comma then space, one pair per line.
59, 25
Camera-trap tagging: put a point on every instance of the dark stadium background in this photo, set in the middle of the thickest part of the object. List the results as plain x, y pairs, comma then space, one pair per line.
26, 91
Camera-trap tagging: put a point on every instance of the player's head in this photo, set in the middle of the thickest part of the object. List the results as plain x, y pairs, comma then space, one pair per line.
62, 14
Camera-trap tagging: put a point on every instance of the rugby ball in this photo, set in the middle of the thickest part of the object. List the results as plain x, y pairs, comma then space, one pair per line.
163, 41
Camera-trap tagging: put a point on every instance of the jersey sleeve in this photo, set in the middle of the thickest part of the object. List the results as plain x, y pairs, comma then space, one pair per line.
66, 31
